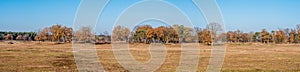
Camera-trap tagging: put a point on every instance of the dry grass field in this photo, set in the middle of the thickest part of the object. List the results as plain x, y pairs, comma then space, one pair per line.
37, 57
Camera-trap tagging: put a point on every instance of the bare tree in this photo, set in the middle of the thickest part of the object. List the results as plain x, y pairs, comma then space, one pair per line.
214, 27
120, 33
184, 33
25, 37
246, 37
238, 36
42, 35
8, 37
19, 37
217, 32
84, 34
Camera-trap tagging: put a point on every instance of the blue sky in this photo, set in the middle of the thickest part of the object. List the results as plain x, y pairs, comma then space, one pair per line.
252, 15
246, 15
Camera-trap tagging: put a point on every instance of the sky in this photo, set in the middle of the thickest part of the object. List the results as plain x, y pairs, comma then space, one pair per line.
245, 15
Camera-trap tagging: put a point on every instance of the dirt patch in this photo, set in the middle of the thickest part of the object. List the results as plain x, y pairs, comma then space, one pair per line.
59, 57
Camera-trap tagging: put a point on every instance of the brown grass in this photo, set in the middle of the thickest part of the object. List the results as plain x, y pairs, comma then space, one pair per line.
35, 56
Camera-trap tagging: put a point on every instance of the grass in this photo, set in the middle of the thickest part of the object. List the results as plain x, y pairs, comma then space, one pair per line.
34, 56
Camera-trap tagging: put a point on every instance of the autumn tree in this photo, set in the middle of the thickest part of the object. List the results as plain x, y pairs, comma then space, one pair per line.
205, 36
297, 37
238, 36
160, 33
230, 36
171, 36
37, 38
57, 32
292, 36
140, 34
265, 36
147, 34
165, 34
67, 35
280, 37
151, 35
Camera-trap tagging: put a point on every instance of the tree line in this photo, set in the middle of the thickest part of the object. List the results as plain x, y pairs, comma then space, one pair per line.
56, 33
17, 36
148, 34
163, 34
59, 34
180, 33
